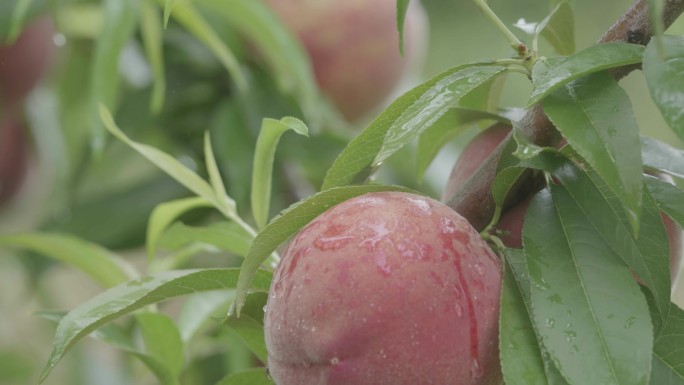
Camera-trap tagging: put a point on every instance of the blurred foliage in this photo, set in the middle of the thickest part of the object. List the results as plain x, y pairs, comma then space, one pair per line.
106, 195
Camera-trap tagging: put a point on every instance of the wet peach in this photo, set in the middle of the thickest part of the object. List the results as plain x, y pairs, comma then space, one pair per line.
385, 289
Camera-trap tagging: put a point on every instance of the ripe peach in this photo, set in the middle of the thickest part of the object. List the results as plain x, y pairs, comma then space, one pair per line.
13, 157
473, 155
23, 63
511, 221
354, 47
387, 288
469, 161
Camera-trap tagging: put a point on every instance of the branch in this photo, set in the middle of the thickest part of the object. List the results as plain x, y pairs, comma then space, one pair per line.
474, 201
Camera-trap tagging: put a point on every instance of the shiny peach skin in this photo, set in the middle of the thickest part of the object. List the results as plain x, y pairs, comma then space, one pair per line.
23, 63
385, 289
354, 47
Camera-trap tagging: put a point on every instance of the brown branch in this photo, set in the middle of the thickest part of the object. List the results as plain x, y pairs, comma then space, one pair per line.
474, 201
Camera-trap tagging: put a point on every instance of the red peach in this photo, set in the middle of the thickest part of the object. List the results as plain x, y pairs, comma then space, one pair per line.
511, 221
472, 157
23, 63
387, 288
354, 47
13, 157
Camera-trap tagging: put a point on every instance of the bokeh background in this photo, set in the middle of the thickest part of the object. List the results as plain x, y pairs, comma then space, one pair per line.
107, 198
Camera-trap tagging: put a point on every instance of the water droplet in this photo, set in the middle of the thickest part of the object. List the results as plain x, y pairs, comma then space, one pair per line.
629, 322
448, 226
475, 369
570, 336
332, 243
457, 291
381, 262
313, 329
334, 361
421, 204
550, 322
555, 299
265, 308
479, 268
459, 310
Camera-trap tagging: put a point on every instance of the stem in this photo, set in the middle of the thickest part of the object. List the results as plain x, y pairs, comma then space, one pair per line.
274, 258
515, 43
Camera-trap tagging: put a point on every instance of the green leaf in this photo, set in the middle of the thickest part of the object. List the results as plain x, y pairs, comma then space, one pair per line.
665, 81
227, 236
168, 7
255, 376
559, 28
162, 340
249, 327
103, 266
521, 361
661, 156
19, 13
448, 127
669, 198
289, 222
199, 308
668, 351
656, 13
647, 255
589, 311
151, 31
595, 116
504, 181
163, 215
283, 52
118, 338
125, 298
215, 174
264, 154
191, 18
118, 29
406, 118
584, 62
168, 164
251, 332
402, 7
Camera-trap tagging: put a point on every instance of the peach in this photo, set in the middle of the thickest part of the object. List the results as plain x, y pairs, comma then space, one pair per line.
354, 47
23, 63
472, 157
13, 157
511, 221
387, 288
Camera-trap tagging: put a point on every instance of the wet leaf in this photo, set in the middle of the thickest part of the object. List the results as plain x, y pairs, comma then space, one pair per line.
595, 116
665, 81
589, 60
587, 307
406, 118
